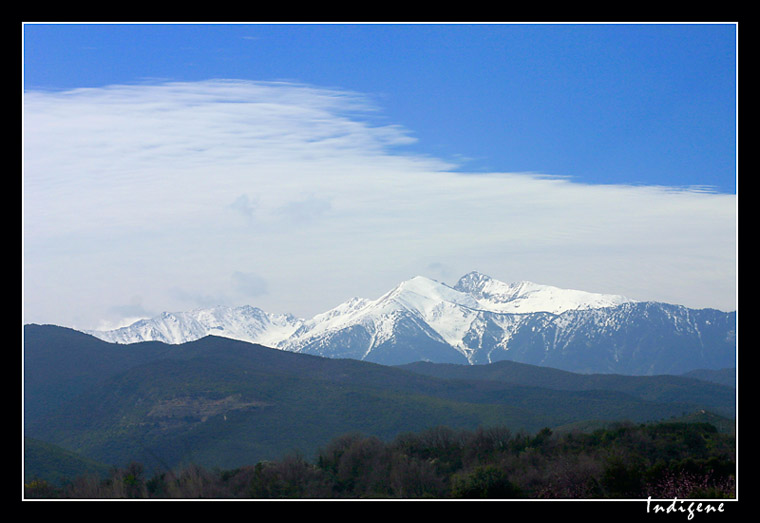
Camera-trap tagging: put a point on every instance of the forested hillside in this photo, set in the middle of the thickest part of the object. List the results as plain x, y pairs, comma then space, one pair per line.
217, 402
624, 461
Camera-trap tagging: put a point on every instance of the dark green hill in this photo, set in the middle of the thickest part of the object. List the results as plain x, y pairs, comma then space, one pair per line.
224, 403
725, 377
60, 363
44, 461
662, 388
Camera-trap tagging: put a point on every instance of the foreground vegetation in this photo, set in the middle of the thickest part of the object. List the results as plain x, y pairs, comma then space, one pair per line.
624, 461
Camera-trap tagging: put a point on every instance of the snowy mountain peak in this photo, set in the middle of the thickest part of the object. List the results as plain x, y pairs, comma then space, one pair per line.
449, 311
422, 294
483, 286
478, 320
472, 282
529, 297
245, 323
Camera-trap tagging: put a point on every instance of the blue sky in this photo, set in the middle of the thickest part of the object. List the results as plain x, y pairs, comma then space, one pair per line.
649, 104
527, 124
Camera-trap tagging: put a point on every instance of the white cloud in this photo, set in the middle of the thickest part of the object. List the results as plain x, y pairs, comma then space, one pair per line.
151, 189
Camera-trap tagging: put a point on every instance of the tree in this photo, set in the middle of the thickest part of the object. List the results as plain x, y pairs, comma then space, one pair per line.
484, 482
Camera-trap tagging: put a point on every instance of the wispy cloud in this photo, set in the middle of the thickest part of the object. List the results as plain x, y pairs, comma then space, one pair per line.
179, 185
249, 285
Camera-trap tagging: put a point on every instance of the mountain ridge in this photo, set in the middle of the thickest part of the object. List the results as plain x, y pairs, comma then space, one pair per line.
478, 320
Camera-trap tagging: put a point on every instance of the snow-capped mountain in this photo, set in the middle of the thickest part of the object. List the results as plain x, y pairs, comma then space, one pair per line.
478, 320
526, 297
244, 323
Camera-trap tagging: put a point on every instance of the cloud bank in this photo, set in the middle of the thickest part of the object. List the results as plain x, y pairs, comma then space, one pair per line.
294, 198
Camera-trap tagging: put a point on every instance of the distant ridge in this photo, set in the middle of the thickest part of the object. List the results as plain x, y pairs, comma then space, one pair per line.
725, 377
478, 320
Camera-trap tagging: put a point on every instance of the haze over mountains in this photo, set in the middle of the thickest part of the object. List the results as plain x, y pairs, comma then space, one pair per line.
479, 320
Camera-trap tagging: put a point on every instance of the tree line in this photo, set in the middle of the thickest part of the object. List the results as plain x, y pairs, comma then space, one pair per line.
624, 461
